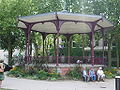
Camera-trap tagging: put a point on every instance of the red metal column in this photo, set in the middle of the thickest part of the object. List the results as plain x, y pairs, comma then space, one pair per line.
58, 26
92, 27
92, 47
103, 35
57, 58
27, 33
69, 51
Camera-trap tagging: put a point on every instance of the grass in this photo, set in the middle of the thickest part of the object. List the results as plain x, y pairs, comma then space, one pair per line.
5, 89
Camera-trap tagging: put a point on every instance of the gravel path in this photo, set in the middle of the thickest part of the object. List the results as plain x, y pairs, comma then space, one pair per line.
25, 84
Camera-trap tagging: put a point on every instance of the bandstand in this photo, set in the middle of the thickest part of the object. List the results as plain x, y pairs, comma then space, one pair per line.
62, 23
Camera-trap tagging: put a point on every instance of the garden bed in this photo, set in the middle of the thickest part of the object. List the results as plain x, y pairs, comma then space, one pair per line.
57, 73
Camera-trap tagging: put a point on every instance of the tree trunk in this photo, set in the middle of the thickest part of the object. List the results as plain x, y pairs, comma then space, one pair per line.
46, 46
30, 47
10, 62
36, 49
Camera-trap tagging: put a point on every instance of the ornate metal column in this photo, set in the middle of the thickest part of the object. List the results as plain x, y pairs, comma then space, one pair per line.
92, 47
27, 34
58, 25
103, 35
92, 27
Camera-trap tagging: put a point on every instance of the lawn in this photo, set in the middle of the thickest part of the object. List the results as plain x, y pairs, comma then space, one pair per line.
5, 89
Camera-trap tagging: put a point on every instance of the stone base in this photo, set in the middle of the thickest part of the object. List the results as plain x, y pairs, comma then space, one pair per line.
63, 69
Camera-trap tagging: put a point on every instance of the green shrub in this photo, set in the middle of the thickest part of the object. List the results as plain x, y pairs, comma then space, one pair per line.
31, 73
118, 74
53, 76
42, 75
5, 89
75, 73
56, 75
111, 72
14, 73
108, 74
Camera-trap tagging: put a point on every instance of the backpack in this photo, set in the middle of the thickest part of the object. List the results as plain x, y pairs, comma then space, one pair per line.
7, 67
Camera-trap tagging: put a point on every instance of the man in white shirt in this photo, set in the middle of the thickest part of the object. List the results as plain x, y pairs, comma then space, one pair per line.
100, 74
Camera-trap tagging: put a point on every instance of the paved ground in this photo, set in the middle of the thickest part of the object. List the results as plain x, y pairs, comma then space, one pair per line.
25, 84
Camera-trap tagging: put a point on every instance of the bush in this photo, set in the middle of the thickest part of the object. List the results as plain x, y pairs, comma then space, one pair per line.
42, 75
15, 73
111, 72
75, 73
108, 74
56, 75
53, 76
19, 72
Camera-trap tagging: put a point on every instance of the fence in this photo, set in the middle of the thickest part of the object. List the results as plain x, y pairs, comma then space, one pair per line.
66, 59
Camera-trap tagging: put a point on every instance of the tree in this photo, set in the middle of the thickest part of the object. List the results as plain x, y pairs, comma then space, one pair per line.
10, 36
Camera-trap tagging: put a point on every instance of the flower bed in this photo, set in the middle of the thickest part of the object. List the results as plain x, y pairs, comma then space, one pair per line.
54, 74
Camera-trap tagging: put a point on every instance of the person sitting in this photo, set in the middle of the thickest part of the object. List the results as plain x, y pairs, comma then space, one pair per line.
92, 74
100, 74
85, 75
